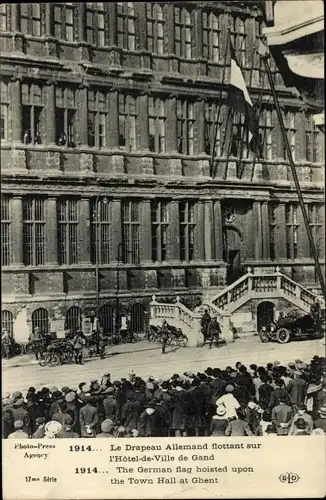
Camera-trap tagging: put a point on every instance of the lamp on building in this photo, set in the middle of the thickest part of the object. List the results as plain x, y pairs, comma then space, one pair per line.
97, 260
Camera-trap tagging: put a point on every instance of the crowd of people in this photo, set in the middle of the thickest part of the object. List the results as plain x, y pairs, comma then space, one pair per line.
256, 400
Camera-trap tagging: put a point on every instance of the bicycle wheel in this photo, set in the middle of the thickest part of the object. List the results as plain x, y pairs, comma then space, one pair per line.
54, 360
44, 359
29, 348
17, 349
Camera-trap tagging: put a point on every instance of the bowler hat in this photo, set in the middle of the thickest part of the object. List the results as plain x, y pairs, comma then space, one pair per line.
70, 397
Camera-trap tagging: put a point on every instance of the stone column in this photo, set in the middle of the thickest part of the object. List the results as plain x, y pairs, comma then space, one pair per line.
16, 109
146, 230
143, 130
303, 240
49, 19
82, 21
200, 108
174, 233
51, 231
112, 23
218, 230
114, 119
257, 229
15, 17
84, 232
17, 230
200, 231
82, 114
116, 233
265, 230
171, 129
50, 113
280, 242
208, 230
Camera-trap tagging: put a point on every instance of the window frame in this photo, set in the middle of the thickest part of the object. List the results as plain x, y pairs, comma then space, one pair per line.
185, 126
183, 25
155, 19
292, 230
130, 228
159, 225
6, 230
211, 46
311, 139
266, 129
316, 225
101, 221
187, 230
211, 113
239, 39
99, 111
69, 115
34, 237
4, 17
68, 253
157, 120
126, 34
31, 19
34, 110
290, 126
64, 24
96, 11
128, 118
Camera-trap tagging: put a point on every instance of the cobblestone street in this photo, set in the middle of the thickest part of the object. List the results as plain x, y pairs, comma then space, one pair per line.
145, 359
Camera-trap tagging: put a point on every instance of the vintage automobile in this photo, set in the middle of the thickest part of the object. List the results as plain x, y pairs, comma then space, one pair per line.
291, 328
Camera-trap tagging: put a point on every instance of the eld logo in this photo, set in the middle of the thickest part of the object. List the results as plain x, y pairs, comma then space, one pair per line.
289, 477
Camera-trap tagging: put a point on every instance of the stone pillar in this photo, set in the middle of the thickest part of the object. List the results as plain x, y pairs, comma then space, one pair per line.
17, 230
114, 119
218, 230
198, 32
15, 17
116, 233
50, 113
257, 229
84, 231
200, 231
49, 20
200, 108
143, 130
82, 21
280, 242
141, 28
83, 115
174, 233
146, 230
208, 230
51, 231
16, 109
112, 23
265, 230
171, 132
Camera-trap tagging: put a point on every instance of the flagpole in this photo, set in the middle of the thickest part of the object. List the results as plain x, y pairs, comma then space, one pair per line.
295, 176
229, 145
212, 170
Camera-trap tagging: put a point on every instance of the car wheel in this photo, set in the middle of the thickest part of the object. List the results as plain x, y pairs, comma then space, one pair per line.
282, 336
44, 359
29, 348
263, 336
17, 349
54, 360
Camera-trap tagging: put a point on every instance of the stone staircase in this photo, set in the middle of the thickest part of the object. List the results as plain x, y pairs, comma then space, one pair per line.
227, 304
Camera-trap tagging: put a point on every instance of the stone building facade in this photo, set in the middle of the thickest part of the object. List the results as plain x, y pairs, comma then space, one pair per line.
106, 128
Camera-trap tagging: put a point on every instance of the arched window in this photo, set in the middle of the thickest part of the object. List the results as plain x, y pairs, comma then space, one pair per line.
40, 319
73, 319
183, 32
7, 321
137, 318
106, 317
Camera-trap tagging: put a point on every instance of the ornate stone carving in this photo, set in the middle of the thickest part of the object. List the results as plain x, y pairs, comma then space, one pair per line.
86, 162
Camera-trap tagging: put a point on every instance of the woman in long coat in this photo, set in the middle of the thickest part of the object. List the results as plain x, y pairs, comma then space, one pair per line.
180, 410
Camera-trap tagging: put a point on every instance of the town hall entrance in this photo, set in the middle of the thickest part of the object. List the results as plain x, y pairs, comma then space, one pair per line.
232, 255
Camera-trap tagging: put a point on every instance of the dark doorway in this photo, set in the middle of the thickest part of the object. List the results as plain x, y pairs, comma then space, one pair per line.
232, 255
265, 314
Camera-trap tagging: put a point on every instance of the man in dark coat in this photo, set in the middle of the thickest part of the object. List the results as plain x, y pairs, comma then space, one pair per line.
278, 393
110, 405
88, 417
180, 409
282, 415
204, 322
78, 343
213, 332
164, 336
297, 389
197, 408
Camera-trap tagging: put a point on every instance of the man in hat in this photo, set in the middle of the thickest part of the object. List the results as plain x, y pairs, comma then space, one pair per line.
204, 322
101, 343
78, 342
67, 431
300, 428
6, 343
110, 404
228, 401
213, 332
281, 416
297, 389
19, 432
20, 413
164, 335
62, 414
320, 423
88, 417
107, 428
36, 339
302, 414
